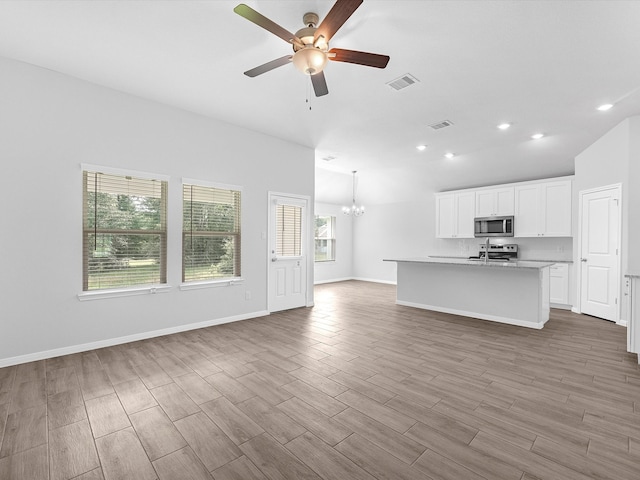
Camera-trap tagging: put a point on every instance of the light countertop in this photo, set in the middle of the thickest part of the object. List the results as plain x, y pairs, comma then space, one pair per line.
545, 260
474, 263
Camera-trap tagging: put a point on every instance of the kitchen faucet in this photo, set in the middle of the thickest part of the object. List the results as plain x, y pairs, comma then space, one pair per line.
486, 250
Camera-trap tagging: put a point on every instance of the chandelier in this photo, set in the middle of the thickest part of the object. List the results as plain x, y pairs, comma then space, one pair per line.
354, 209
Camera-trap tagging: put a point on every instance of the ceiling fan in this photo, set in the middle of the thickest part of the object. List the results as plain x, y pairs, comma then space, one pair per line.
311, 43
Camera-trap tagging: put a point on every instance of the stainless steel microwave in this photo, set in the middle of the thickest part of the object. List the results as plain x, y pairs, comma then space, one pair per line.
493, 226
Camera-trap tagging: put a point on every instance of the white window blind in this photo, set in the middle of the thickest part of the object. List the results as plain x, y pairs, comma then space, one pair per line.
211, 236
124, 231
288, 230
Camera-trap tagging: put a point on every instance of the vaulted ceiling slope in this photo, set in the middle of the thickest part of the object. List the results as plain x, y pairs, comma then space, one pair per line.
543, 66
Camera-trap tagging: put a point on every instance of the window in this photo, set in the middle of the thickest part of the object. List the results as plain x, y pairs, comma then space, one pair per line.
124, 231
210, 232
325, 235
288, 230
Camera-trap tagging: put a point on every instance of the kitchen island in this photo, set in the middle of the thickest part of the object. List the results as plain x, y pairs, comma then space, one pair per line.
514, 292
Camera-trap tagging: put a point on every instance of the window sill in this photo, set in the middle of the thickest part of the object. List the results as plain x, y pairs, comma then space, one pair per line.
211, 284
123, 292
325, 261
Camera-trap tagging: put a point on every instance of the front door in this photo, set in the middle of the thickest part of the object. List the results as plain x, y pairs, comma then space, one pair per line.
287, 252
599, 252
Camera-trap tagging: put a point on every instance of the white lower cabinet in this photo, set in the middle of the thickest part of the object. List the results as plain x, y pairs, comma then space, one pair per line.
559, 284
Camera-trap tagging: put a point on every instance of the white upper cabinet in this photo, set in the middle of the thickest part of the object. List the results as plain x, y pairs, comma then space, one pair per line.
494, 202
444, 215
543, 209
540, 208
465, 209
454, 215
557, 216
527, 222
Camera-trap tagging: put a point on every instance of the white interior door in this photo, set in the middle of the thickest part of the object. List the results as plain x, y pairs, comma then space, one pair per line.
287, 252
599, 252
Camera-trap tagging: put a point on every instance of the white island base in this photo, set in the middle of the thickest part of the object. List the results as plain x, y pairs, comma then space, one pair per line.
508, 292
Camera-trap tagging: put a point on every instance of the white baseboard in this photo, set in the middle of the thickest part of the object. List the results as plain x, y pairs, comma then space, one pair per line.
57, 352
333, 280
372, 280
481, 316
375, 280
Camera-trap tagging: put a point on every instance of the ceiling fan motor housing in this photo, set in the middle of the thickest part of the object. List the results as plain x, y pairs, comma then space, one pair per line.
310, 19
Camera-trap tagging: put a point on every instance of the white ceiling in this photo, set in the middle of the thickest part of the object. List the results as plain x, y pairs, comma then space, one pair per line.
542, 65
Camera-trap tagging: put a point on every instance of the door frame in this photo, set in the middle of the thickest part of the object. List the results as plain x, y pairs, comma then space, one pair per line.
308, 243
617, 188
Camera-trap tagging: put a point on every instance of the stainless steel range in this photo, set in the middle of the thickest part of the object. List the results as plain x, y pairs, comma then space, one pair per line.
498, 252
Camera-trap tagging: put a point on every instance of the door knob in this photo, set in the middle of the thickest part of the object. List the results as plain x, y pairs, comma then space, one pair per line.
583, 259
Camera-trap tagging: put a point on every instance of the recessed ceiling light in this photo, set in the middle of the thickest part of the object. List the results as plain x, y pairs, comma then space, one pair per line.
449, 155
504, 126
605, 107
421, 147
536, 136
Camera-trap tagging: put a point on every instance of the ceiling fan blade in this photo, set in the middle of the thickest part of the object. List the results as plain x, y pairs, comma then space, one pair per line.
336, 17
319, 84
361, 58
269, 25
278, 62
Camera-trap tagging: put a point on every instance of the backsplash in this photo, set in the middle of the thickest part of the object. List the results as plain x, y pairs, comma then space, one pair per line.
551, 248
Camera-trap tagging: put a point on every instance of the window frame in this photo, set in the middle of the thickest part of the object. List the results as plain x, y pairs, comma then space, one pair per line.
212, 282
134, 289
330, 240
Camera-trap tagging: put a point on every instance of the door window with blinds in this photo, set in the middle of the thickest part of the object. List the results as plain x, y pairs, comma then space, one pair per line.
288, 230
211, 237
124, 231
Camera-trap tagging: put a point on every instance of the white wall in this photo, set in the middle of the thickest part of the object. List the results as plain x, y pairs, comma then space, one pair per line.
395, 230
50, 124
614, 159
633, 199
342, 267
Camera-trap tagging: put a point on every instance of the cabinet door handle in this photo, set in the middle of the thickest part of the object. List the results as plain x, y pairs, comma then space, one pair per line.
583, 259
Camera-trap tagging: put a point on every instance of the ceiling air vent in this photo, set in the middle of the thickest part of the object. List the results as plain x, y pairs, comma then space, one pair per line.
442, 124
403, 82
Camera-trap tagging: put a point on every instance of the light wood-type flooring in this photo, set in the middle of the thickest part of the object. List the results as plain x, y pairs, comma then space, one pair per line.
354, 388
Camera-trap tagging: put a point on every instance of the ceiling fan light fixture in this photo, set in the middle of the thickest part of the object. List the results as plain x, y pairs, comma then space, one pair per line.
310, 60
